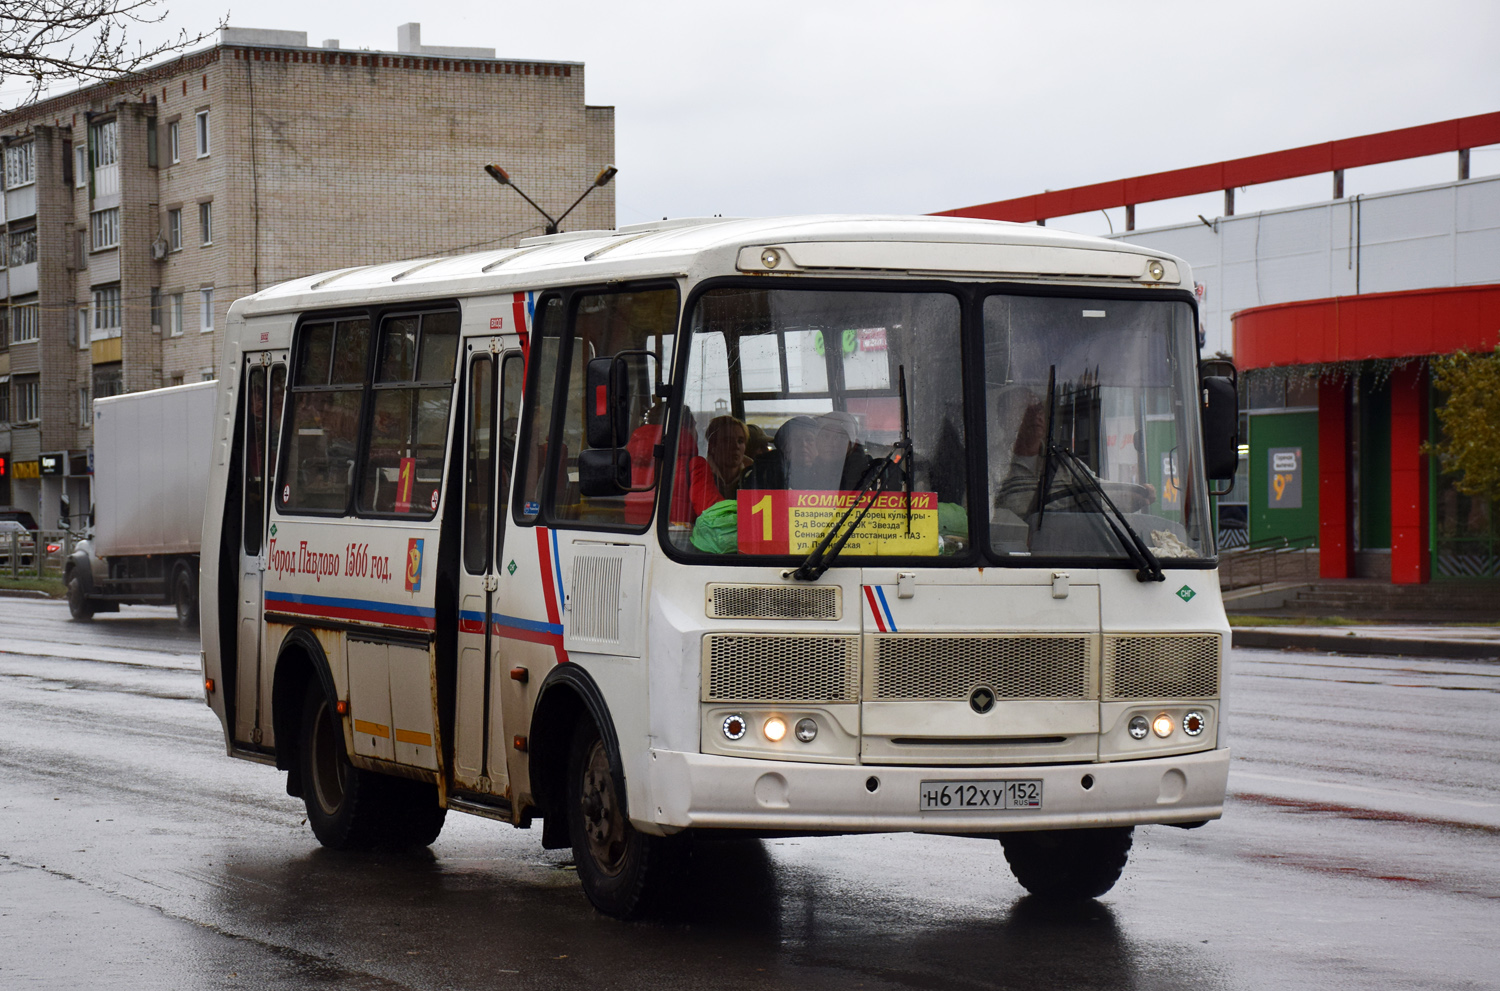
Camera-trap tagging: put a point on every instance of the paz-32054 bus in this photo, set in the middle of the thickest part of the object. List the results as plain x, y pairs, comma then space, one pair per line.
820, 525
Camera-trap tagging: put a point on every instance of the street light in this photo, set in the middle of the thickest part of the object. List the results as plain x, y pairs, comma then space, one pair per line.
503, 178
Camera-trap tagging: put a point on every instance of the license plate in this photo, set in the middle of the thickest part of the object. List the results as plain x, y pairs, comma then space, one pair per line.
979, 796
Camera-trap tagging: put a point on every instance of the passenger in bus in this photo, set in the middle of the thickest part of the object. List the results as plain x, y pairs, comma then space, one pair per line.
1019, 490
758, 443
717, 477
810, 455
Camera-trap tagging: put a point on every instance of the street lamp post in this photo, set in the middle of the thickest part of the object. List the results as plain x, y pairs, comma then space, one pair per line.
503, 178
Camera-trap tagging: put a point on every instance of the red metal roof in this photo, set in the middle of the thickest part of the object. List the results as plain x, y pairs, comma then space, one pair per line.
1379, 325
1371, 149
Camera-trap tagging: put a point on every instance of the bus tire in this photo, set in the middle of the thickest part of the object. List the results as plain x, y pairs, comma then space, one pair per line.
78, 600
1068, 864
185, 597
625, 873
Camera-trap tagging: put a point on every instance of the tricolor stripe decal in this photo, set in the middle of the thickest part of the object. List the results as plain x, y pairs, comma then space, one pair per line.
353, 610
880, 609
552, 591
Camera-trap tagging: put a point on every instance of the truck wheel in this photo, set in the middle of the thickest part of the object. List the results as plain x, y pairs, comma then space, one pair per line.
185, 597
1068, 864
624, 872
351, 809
78, 600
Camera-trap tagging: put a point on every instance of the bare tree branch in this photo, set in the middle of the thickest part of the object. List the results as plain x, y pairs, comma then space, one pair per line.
46, 42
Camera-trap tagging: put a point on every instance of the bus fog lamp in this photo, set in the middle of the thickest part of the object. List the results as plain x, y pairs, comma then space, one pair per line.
775, 729
807, 730
1139, 727
1162, 725
734, 727
1193, 723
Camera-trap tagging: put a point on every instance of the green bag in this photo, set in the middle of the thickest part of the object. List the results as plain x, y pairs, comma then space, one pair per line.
716, 530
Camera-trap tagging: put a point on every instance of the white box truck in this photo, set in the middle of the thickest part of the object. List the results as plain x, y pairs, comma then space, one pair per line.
151, 455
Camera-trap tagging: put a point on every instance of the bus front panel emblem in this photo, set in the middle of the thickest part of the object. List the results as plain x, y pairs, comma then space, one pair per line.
982, 701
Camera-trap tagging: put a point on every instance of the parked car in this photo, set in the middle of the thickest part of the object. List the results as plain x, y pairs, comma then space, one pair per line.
20, 516
25, 543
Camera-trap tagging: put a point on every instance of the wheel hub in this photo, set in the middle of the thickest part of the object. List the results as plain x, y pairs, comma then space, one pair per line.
603, 827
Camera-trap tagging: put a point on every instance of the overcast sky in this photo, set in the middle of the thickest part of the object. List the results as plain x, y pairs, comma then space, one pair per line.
900, 107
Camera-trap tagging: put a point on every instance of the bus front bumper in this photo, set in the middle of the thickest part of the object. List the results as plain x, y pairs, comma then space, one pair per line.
708, 791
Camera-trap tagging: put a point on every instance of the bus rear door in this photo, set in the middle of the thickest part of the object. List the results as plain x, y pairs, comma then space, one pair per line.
262, 396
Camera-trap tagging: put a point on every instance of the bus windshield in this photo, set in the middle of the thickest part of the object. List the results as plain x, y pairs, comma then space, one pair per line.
794, 405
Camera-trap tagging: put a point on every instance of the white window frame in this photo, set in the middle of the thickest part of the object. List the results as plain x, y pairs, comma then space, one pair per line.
25, 323
104, 226
174, 142
206, 223
20, 165
85, 407
83, 321
20, 237
201, 132
174, 314
206, 310
108, 313
104, 143
174, 229
80, 167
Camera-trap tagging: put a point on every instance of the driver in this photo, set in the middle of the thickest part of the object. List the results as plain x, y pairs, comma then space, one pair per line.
1019, 490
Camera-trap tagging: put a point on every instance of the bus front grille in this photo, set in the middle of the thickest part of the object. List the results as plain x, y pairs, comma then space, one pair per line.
944, 667
1161, 666
750, 667
774, 601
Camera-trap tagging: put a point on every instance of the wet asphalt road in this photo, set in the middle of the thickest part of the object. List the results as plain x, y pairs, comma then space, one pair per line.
1361, 849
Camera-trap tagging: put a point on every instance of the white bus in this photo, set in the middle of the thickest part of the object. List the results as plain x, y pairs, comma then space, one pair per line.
818, 525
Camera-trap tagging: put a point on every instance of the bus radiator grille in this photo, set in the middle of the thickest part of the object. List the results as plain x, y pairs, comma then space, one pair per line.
938, 667
1161, 666
774, 602
750, 667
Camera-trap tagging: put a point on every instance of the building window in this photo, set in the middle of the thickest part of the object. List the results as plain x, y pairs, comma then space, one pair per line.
20, 165
108, 381
106, 226
174, 229
23, 247
206, 374
156, 309
206, 313
203, 134
104, 143
206, 222
25, 323
174, 313
4, 400
106, 313
84, 337
175, 380
174, 142
80, 167
85, 410
27, 399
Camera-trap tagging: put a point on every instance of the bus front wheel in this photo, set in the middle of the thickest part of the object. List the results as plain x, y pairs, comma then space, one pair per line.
351, 809
624, 872
1068, 864
78, 600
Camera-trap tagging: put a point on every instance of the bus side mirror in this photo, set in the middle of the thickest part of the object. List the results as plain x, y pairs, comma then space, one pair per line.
603, 471
608, 403
62, 512
1221, 427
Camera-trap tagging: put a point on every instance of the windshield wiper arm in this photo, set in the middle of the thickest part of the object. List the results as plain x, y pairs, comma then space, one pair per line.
822, 556
1149, 566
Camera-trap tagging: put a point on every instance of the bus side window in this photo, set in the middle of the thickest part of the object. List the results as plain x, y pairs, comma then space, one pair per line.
255, 458
328, 388
408, 433
479, 465
512, 374
604, 325
541, 378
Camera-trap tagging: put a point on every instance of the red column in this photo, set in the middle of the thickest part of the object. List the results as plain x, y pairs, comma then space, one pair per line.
1335, 536
1410, 561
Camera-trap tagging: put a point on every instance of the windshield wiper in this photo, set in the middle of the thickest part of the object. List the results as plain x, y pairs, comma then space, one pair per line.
822, 556
1149, 568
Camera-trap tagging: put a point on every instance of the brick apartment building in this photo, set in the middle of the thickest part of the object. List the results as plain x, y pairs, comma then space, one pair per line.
136, 211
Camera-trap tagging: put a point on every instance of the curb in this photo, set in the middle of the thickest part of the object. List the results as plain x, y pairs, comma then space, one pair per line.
1464, 650
23, 593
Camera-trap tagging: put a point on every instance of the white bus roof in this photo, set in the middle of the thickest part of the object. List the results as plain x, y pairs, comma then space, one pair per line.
945, 247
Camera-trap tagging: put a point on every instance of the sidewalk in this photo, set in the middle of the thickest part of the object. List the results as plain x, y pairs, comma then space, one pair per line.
1407, 640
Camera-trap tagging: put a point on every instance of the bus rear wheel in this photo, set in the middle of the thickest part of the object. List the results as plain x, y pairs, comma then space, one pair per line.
185, 597
352, 809
1068, 864
624, 872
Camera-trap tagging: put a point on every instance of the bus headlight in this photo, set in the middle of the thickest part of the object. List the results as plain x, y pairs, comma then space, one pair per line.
807, 730
1139, 727
775, 729
1162, 725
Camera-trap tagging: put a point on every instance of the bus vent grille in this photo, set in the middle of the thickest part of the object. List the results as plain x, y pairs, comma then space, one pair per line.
594, 599
774, 601
1162, 666
936, 667
749, 667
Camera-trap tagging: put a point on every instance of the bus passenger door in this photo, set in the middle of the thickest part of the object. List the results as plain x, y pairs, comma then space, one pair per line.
265, 388
493, 396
